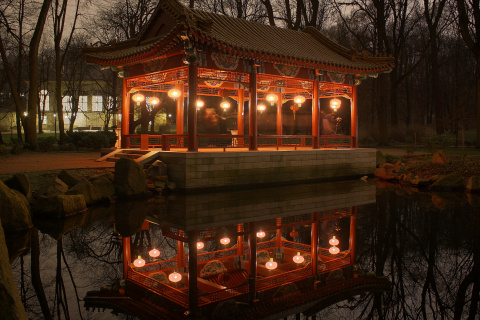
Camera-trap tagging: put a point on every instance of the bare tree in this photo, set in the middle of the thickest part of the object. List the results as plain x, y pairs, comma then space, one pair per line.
469, 22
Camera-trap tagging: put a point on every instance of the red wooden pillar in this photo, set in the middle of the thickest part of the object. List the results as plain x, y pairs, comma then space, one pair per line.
180, 109
180, 253
125, 113
314, 249
315, 116
240, 240
354, 117
241, 112
192, 107
252, 239
126, 255
279, 120
278, 239
279, 116
253, 130
353, 228
192, 273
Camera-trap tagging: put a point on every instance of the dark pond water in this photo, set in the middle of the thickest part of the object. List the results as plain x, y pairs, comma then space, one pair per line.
428, 245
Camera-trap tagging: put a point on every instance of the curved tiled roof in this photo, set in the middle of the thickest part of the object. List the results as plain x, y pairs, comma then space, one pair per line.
242, 38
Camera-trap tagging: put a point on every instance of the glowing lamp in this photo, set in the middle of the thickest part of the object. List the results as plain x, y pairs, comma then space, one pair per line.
334, 250
261, 107
154, 253
298, 258
272, 98
174, 93
225, 240
153, 101
334, 241
299, 100
270, 265
261, 234
335, 104
200, 245
200, 104
138, 97
139, 262
225, 105
175, 276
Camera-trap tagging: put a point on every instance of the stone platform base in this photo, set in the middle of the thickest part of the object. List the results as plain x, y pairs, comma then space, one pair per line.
216, 170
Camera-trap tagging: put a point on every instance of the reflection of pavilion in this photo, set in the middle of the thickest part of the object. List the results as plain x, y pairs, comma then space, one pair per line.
209, 274
188, 55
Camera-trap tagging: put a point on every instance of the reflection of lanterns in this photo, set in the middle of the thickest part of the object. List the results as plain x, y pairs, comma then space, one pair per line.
154, 253
200, 104
270, 265
225, 240
335, 104
138, 97
153, 101
298, 258
294, 233
272, 98
174, 93
261, 107
225, 105
139, 262
299, 100
334, 241
261, 234
334, 250
175, 276
200, 245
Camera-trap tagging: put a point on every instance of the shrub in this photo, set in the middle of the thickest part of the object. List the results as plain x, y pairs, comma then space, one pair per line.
438, 142
91, 140
46, 144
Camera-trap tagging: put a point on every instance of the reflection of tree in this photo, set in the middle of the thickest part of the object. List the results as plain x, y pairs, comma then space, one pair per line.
425, 251
36, 279
472, 280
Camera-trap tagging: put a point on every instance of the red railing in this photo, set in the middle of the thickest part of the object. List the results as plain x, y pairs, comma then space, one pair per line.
284, 278
168, 292
227, 141
221, 295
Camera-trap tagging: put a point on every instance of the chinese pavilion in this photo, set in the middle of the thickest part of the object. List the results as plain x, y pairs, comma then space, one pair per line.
264, 80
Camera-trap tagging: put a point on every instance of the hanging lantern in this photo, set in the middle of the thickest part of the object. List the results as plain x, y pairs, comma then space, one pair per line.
335, 104
174, 93
175, 276
270, 265
200, 245
261, 234
334, 250
299, 100
154, 253
200, 104
225, 105
272, 98
138, 97
153, 101
334, 241
225, 240
139, 262
261, 107
298, 258
294, 233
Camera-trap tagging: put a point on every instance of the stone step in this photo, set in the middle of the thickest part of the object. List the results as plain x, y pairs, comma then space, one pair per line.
112, 159
132, 156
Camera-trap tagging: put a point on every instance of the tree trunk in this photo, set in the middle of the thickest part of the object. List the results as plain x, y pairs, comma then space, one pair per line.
31, 127
477, 86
